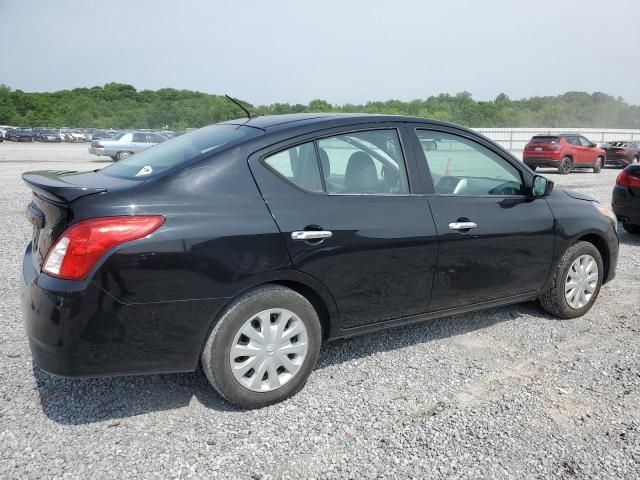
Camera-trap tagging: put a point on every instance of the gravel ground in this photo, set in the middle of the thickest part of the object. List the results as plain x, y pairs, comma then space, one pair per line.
503, 393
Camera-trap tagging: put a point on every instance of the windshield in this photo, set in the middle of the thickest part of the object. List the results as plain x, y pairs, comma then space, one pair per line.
180, 150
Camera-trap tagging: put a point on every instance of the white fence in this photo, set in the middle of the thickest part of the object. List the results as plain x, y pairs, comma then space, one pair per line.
516, 138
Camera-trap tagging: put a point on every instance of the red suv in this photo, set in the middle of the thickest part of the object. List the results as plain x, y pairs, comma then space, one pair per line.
564, 151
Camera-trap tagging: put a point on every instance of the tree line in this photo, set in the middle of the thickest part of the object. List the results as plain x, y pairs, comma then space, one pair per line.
120, 106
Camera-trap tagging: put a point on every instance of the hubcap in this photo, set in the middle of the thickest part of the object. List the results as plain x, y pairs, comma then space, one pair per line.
268, 350
581, 281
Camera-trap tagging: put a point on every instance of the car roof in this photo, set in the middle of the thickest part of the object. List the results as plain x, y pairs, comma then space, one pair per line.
290, 121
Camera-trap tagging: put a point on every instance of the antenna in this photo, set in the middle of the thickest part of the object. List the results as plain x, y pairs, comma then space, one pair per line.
240, 105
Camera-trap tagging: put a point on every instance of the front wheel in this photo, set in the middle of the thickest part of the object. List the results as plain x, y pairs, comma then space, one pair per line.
263, 347
597, 168
576, 282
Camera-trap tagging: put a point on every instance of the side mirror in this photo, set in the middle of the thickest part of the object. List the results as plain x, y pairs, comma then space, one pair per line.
541, 187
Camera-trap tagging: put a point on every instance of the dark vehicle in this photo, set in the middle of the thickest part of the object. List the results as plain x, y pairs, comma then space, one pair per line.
22, 135
622, 152
48, 135
626, 198
8, 133
243, 245
565, 152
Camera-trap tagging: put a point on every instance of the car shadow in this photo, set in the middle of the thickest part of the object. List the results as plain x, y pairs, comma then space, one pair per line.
629, 238
87, 401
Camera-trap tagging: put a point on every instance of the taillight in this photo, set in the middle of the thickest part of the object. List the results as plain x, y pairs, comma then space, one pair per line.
80, 246
625, 179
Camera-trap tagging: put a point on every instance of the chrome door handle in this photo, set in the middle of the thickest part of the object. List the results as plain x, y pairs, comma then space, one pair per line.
462, 225
311, 235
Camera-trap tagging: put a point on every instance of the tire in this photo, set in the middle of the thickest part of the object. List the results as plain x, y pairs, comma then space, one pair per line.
565, 166
123, 155
631, 228
597, 168
554, 300
228, 332
114, 158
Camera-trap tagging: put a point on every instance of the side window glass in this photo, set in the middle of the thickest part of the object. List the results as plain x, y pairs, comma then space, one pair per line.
460, 166
139, 137
363, 162
154, 138
299, 165
585, 142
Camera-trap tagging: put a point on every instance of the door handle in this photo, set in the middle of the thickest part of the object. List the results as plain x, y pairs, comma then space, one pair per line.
311, 235
462, 225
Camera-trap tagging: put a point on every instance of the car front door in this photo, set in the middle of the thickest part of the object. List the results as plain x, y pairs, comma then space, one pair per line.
589, 153
495, 241
345, 206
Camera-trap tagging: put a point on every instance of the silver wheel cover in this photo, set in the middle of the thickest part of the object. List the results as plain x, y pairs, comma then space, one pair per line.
581, 281
268, 350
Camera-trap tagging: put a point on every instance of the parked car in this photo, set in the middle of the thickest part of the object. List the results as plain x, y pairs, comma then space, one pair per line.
243, 245
125, 144
8, 133
48, 135
622, 152
64, 134
626, 198
76, 136
564, 152
22, 135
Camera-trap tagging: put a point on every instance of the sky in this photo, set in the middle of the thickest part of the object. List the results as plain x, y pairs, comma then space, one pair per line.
341, 51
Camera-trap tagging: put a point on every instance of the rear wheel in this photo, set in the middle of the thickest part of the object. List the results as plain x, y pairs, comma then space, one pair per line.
123, 155
263, 347
597, 168
576, 282
631, 228
565, 166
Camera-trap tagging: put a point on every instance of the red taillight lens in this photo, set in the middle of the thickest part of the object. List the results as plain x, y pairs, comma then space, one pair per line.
79, 248
625, 179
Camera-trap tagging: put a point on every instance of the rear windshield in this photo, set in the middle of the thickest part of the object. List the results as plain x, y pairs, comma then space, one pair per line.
545, 139
172, 153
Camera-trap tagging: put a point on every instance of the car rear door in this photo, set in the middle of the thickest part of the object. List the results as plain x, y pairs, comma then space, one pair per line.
346, 206
495, 242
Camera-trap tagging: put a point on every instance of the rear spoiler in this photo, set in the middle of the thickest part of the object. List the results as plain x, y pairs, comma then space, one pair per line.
52, 185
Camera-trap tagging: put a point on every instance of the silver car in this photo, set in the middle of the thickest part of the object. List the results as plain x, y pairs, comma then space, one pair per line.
125, 144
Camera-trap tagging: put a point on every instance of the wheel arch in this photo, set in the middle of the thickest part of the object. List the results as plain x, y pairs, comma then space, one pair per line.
601, 244
310, 288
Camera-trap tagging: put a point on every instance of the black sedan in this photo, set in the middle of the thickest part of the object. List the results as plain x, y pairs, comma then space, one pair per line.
626, 198
243, 245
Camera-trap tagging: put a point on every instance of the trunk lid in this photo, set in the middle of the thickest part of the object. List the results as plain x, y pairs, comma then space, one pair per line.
49, 211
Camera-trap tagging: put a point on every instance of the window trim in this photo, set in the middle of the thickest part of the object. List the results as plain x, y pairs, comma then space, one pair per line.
421, 158
315, 138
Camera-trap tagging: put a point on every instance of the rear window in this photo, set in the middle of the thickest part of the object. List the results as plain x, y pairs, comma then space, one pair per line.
177, 151
545, 139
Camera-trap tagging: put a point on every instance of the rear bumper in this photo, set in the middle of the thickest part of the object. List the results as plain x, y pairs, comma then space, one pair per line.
98, 151
541, 162
625, 206
75, 329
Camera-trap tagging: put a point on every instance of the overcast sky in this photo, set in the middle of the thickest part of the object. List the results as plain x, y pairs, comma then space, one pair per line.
342, 51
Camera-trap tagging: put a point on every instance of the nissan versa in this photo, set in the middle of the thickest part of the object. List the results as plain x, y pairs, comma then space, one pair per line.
243, 245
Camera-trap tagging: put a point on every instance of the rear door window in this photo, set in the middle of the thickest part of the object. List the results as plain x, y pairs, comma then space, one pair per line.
140, 137
299, 165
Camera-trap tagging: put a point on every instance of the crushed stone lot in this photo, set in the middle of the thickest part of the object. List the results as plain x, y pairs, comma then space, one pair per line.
503, 393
